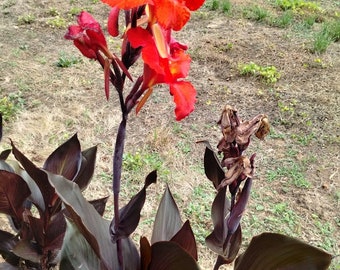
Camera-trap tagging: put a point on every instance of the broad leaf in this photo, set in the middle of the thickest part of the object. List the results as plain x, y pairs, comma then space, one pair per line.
130, 214
145, 251
232, 246
7, 266
275, 251
168, 220
219, 211
4, 154
38, 175
170, 256
7, 242
13, 192
36, 196
186, 239
239, 207
55, 232
87, 167
66, 159
28, 251
100, 205
76, 251
92, 226
5, 166
212, 165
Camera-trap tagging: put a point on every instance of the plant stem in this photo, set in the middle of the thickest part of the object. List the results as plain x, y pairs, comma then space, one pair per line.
117, 172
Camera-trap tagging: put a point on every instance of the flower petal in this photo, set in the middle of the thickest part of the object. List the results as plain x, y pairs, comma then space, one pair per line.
74, 32
126, 4
141, 37
194, 4
171, 14
112, 24
184, 97
86, 21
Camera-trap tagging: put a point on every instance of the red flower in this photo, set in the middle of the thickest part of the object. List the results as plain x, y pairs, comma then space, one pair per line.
170, 14
87, 36
165, 62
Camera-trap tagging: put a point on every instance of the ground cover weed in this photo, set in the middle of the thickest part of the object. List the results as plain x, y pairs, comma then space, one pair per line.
66, 60
26, 19
268, 73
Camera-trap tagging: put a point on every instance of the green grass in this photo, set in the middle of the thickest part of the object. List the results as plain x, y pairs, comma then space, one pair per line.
65, 60
283, 20
198, 210
255, 13
291, 171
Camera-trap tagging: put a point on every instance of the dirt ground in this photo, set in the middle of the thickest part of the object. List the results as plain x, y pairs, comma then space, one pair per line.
303, 108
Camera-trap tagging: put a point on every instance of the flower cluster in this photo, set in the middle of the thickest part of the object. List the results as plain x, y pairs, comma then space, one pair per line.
147, 33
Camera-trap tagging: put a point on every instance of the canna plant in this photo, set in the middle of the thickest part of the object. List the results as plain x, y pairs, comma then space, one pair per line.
33, 207
57, 227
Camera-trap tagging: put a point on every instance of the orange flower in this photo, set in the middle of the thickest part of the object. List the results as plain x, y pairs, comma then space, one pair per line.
165, 61
170, 14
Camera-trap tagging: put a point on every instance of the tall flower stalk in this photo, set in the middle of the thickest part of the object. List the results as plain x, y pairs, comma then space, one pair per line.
148, 27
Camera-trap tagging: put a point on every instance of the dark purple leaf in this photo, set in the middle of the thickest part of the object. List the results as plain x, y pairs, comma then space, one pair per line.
186, 239
37, 227
7, 266
87, 167
219, 211
276, 251
36, 196
55, 232
168, 220
39, 177
239, 207
212, 165
100, 205
4, 154
129, 215
92, 226
145, 251
66, 159
232, 245
7, 242
13, 192
28, 251
170, 256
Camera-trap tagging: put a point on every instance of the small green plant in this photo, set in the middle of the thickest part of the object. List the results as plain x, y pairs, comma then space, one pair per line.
268, 73
215, 5
330, 32
256, 13
297, 5
26, 19
283, 20
304, 139
226, 6
57, 22
53, 12
65, 60
74, 11
321, 42
10, 105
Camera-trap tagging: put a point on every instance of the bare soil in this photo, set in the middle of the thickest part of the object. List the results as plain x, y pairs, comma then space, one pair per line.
303, 108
